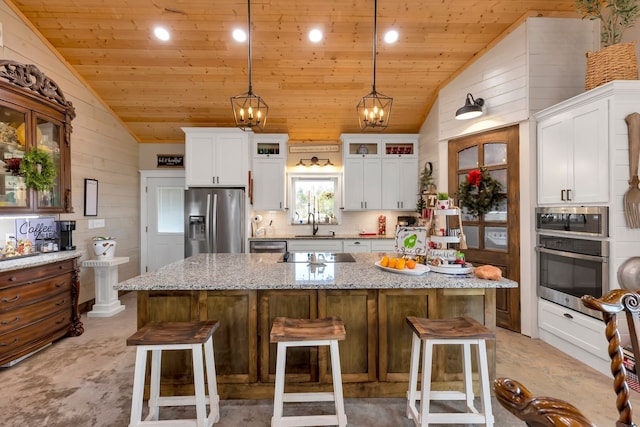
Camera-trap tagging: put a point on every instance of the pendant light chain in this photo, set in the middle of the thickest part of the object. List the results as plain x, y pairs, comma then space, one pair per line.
375, 108
375, 41
249, 41
249, 110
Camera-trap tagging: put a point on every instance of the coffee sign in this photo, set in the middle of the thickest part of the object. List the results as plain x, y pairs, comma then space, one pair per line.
36, 230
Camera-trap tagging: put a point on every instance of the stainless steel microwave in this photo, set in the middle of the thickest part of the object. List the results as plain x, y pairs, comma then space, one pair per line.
578, 221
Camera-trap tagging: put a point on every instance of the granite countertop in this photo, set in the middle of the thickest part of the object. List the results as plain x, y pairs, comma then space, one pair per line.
9, 264
263, 271
323, 236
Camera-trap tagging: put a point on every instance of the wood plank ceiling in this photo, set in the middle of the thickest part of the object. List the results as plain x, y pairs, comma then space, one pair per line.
312, 89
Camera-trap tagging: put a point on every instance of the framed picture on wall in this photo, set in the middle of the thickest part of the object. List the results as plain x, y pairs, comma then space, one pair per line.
90, 197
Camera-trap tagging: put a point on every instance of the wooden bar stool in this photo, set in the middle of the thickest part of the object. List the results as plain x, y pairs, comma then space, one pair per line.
156, 337
308, 333
460, 330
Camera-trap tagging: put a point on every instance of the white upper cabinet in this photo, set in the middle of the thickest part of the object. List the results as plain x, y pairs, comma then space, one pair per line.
362, 172
380, 171
362, 182
269, 171
399, 184
573, 155
216, 157
399, 172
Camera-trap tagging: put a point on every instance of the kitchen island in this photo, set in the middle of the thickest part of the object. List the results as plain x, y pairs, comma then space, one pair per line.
245, 292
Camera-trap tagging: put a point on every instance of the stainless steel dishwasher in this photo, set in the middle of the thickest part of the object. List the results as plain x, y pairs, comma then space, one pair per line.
262, 246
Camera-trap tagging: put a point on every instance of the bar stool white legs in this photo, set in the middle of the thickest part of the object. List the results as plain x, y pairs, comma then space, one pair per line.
461, 331
308, 333
175, 336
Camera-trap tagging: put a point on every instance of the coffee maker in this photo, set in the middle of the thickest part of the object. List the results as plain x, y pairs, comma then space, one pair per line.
65, 229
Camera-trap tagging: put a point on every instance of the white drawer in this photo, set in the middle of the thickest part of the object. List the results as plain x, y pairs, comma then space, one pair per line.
314, 245
383, 245
574, 328
357, 246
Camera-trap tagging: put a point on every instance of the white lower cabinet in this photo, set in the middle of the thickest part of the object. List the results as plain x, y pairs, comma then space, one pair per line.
383, 245
314, 245
356, 246
580, 336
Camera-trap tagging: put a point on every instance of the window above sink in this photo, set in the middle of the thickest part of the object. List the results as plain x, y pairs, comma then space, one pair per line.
314, 193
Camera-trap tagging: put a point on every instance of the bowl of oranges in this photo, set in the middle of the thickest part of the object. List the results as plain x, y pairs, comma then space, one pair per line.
401, 265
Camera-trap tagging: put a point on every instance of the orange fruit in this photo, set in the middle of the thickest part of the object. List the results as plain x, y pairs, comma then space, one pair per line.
411, 264
384, 262
400, 263
392, 263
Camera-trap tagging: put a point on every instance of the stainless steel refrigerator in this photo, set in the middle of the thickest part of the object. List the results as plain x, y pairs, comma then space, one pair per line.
214, 220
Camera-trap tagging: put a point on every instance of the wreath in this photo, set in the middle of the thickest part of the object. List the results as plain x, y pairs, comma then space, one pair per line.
38, 169
479, 192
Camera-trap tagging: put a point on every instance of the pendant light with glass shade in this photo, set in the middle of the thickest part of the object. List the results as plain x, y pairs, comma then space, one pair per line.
375, 108
249, 110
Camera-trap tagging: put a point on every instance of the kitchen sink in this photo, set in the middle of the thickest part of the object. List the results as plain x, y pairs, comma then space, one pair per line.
317, 236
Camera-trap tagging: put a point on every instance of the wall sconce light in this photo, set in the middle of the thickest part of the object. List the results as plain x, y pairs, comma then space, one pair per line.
314, 161
472, 108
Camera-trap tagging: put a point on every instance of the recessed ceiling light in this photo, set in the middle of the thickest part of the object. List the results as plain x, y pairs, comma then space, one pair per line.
239, 35
161, 33
391, 36
315, 35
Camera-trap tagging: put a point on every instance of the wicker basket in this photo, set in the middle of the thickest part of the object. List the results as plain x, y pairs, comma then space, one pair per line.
615, 62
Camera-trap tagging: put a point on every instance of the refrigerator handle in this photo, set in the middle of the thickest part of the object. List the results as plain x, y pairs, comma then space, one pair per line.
214, 224
207, 225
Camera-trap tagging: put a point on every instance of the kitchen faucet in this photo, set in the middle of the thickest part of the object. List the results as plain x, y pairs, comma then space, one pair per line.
313, 222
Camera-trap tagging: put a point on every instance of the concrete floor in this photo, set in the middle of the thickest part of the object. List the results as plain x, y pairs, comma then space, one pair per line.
87, 381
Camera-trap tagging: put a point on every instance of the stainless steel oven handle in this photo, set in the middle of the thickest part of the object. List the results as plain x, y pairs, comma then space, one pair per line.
572, 255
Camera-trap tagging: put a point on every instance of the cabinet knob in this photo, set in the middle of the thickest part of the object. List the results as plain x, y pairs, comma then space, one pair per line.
569, 194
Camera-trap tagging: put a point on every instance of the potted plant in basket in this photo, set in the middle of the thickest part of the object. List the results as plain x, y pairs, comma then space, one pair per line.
615, 61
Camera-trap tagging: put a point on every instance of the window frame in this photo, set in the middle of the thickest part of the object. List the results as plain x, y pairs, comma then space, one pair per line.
294, 177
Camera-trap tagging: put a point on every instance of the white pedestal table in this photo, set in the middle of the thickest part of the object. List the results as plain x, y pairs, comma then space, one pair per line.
106, 277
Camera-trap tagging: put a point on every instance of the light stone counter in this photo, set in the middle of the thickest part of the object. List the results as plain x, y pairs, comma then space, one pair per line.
323, 236
16, 263
263, 271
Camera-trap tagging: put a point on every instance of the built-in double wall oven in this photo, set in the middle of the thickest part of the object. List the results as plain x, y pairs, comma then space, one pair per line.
573, 254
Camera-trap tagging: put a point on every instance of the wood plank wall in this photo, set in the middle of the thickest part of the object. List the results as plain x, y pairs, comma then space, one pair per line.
101, 148
538, 64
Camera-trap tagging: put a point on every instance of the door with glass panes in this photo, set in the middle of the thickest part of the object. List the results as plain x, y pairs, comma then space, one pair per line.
493, 237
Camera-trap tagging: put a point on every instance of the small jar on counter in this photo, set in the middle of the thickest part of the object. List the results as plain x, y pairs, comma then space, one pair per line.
382, 225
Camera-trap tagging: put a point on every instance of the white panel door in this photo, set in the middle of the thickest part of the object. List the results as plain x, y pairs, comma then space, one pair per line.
165, 223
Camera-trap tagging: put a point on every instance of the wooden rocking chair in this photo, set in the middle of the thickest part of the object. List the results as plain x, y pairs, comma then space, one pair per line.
550, 412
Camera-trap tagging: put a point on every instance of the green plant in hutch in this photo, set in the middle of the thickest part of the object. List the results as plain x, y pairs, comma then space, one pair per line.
38, 170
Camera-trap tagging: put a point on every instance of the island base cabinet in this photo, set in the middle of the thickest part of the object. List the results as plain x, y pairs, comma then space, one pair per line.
374, 357
302, 362
395, 305
357, 309
235, 340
